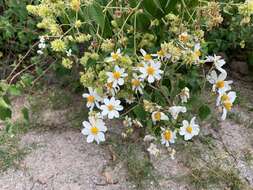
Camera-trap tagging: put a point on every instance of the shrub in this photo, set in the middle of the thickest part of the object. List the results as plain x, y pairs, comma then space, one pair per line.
142, 61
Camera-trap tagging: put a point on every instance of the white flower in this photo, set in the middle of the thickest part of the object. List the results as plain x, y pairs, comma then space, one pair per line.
92, 98
188, 130
130, 99
39, 52
151, 71
94, 129
159, 116
146, 57
226, 100
219, 82
69, 52
110, 89
42, 39
196, 53
42, 45
168, 137
184, 95
153, 150
218, 62
175, 110
116, 77
149, 138
114, 56
137, 86
111, 108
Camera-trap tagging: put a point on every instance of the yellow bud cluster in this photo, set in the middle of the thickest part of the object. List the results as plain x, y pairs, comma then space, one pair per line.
58, 45
107, 45
67, 63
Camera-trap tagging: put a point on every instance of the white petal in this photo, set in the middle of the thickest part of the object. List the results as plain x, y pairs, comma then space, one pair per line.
90, 138
85, 131
224, 114
151, 79
86, 124
101, 136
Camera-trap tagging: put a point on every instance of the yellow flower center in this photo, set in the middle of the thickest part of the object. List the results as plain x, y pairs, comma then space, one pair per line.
150, 70
136, 82
109, 85
220, 84
157, 116
224, 98
228, 105
110, 107
116, 75
189, 129
115, 56
161, 53
90, 99
94, 130
197, 53
147, 57
167, 135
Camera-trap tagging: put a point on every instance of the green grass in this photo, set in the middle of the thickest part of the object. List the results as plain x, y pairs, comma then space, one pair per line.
10, 151
214, 176
139, 168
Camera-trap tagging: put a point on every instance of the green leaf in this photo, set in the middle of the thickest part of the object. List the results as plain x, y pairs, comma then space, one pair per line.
4, 103
165, 90
14, 90
204, 112
158, 4
96, 14
25, 113
140, 112
5, 113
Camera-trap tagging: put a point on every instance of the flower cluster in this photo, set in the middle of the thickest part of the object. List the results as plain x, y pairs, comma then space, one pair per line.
148, 73
220, 85
147, 79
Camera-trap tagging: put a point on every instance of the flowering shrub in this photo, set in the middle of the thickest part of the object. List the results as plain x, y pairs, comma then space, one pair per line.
142, 61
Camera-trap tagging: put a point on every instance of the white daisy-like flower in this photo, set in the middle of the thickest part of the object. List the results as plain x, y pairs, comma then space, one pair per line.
217, 61
92, 98
69, 52
94, 129
159, 116
130, 99
168, 137
151, 71
219, 82
137, 85
196, 53
146, 57
184, 95
226, 100
153, 150
175, 110
111, 90
111, 108
114, 56
116, 77
188, 130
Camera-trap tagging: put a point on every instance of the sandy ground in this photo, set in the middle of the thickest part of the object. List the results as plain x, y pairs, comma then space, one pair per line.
62, 160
